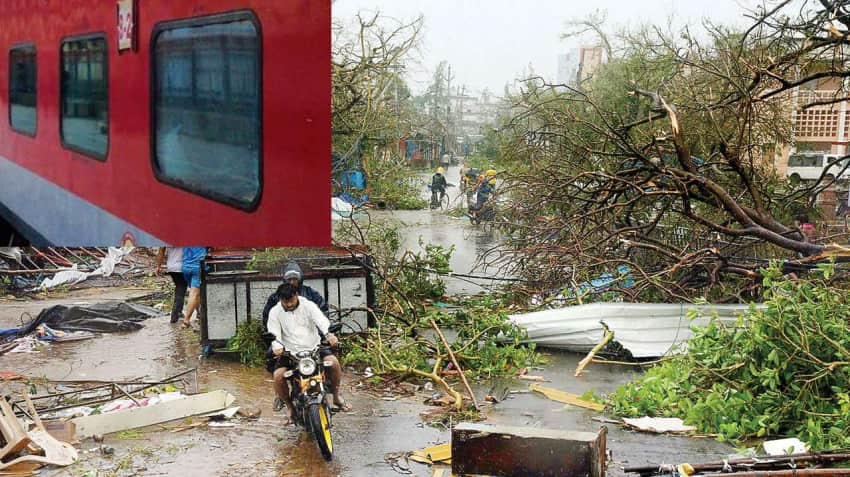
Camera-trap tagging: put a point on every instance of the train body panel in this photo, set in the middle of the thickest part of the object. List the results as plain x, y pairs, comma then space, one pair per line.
213, 130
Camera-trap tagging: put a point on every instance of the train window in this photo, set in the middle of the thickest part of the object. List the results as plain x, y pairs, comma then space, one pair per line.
84, 94
22, 89
206, 107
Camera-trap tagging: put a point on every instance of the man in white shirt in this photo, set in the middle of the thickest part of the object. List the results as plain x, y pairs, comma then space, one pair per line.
296, 324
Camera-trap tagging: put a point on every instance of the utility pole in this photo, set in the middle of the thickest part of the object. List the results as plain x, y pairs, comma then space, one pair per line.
449, 110
460, 113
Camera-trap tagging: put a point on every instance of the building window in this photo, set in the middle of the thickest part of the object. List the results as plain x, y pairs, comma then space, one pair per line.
22, 89
85, 96
206, 107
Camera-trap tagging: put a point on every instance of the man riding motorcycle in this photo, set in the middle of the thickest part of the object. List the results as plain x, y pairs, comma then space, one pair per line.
298, 325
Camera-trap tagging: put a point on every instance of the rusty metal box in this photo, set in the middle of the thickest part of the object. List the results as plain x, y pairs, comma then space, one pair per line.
525, 451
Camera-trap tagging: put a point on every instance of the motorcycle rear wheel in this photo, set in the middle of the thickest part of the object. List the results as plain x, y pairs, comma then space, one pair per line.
320, 423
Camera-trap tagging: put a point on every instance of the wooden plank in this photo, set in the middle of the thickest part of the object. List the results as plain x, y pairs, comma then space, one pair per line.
565, 397
440, 453
510, 451
117, 421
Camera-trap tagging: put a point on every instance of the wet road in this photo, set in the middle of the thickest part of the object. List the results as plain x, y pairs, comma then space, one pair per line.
362, 438
437, 227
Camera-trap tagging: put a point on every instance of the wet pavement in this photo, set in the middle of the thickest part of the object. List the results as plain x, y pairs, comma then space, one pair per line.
438, 227
375, 429
261, 447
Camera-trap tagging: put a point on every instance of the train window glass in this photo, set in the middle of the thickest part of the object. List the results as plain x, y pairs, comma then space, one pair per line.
22, 89
206, 107
85, 96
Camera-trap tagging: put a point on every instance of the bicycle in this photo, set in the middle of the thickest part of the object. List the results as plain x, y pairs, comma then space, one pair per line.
438, 201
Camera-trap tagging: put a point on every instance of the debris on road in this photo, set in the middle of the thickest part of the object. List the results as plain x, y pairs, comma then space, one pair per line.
528, 377
499, 391
784, 465
785, 446
75, 398
10, 376
61, 323
439, 454
565, 397
72, 276
163, 411
658, 425
505, 450
26, 450
609, 335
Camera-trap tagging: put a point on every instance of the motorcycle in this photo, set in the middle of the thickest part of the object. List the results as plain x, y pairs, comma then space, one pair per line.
308, 388
486, 213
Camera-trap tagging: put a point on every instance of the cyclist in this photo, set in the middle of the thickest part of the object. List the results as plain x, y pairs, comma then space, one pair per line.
438, 186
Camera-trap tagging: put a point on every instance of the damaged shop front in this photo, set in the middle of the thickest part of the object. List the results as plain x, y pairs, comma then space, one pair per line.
237, 283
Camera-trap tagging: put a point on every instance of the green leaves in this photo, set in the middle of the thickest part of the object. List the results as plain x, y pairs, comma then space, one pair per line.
248, 342
782, 372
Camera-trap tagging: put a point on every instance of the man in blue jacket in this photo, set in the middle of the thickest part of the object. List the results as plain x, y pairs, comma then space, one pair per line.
293, 275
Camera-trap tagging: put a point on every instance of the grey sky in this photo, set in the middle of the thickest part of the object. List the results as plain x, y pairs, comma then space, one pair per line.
491, 42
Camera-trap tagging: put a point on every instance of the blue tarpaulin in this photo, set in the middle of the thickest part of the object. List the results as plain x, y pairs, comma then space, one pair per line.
607, 280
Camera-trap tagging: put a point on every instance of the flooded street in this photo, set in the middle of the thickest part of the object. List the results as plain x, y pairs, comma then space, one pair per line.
375, 428
438, 227
379, 426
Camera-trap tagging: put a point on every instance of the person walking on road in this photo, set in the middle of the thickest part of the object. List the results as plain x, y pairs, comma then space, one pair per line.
173, 259
192, 257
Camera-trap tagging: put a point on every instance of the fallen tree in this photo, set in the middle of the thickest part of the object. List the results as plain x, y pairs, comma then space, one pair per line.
662, 161
783, 371
409, 341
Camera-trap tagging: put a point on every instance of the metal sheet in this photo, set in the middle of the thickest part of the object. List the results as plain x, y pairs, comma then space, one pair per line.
647, 330
221, 303
260, 293
353, 295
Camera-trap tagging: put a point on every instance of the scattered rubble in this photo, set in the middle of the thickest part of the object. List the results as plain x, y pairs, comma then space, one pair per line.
658, 425
26, 449
565, 397
27, 269
776, 466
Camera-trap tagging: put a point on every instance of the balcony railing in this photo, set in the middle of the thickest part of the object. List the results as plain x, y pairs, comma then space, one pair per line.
820, 122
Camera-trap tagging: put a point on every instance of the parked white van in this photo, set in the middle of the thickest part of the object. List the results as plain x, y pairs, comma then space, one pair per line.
808, 166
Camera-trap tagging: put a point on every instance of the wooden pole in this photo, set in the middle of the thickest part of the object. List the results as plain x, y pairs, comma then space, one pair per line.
454, 362
792, 473
29, 272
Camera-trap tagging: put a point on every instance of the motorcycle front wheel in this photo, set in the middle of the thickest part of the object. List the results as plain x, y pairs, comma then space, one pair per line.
320, 425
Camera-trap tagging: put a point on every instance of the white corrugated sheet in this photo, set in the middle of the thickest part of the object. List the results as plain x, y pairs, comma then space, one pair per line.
647, 330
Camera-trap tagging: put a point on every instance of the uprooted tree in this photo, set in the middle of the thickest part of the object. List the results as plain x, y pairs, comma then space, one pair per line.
662, 161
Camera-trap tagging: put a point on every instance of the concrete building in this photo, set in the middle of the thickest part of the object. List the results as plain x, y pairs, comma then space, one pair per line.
567, 68
822, 128
475, 112
579, 64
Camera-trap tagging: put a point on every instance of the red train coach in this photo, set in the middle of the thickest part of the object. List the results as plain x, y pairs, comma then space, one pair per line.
202, 122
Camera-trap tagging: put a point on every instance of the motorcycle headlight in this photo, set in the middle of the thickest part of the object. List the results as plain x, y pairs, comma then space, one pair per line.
306, 366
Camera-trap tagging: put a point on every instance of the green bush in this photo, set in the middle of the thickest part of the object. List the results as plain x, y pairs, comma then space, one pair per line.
249, 343
783, 371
